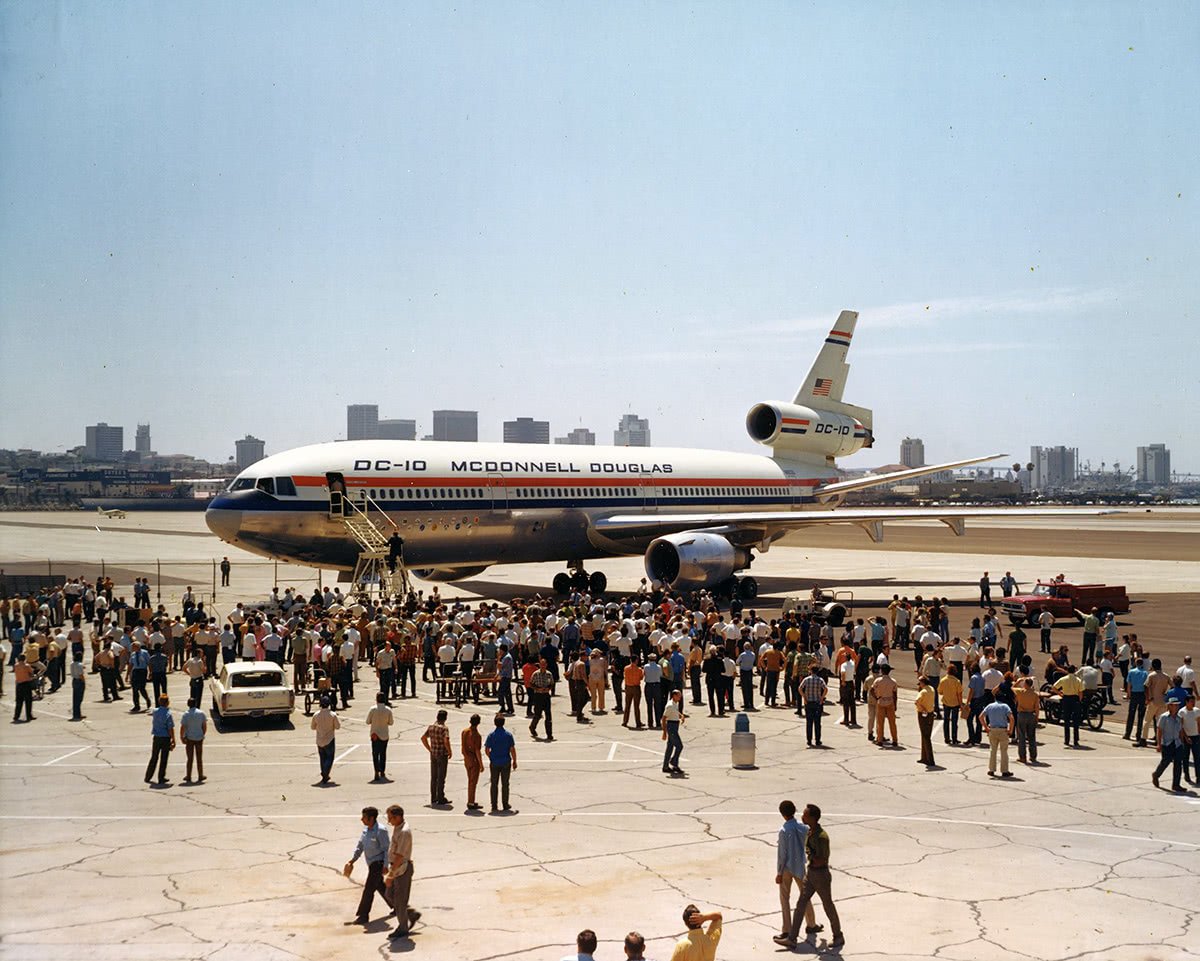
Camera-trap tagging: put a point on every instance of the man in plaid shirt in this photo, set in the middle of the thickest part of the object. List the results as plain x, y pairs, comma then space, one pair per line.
812, 692
800, 669
437, 742
540, 686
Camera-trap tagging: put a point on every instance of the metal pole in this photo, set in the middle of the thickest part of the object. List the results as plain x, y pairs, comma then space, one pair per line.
276, 573
214, 579
158, 586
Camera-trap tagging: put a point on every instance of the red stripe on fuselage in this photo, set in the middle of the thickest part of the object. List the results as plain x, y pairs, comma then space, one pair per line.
663, 480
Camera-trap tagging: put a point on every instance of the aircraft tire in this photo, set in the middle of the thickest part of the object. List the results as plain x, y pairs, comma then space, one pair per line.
579, 580
597, 583
562, 583
748, 588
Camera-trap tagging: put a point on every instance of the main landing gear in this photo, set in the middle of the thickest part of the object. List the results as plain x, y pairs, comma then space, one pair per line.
580, 580
745, 587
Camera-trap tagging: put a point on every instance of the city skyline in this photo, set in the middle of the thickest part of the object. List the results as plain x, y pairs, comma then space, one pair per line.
593, 219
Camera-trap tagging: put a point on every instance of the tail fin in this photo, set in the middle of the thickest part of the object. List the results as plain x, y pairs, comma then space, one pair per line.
827, 379
822, 388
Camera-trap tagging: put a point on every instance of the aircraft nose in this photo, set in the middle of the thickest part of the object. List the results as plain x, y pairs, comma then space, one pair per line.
223, 522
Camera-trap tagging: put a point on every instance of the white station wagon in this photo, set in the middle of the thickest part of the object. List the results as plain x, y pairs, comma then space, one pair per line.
251, 689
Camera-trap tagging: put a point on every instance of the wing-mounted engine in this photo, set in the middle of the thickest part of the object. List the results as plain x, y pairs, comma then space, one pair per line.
791, 429
694, 559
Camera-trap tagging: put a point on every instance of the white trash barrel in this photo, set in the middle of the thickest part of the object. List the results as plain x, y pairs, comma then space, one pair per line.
742, 742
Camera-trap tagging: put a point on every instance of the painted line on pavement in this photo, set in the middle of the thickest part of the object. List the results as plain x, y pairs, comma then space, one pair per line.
604, 814
346, 753
63, 757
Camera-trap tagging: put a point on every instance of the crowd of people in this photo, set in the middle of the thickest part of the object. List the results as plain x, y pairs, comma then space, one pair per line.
655, 653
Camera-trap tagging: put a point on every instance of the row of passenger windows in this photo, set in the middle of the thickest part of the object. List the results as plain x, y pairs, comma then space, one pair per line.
475, 493
286, 487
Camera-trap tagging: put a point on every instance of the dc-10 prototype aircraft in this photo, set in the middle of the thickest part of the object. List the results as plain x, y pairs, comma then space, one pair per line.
698, 516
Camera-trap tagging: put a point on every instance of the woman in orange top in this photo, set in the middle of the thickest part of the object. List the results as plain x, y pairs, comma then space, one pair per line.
633, 692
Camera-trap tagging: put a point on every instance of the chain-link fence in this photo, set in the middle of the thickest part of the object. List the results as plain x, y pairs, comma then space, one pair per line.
169, 579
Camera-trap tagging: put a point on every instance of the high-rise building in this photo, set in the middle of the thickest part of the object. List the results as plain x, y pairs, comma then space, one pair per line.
394, 429
362, 421
104, 443
632, 431
141, 442
1154, 465
455, 425
1053, 467
580, 437
250, 450
526, 430
912, 452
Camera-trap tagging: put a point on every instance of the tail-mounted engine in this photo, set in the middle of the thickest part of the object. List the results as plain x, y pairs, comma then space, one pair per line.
788, 428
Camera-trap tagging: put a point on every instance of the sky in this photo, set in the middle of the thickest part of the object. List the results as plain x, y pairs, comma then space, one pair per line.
230, 218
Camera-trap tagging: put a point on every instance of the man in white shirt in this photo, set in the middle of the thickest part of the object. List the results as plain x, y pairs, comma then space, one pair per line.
447, 655
1187, 675
466, 655
992, 679
350, 647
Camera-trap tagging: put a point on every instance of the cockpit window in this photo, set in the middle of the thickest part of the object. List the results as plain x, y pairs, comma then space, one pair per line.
266, 485
242, 484
285, 487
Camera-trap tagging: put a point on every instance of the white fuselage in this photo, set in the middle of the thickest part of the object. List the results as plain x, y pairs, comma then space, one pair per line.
471, 505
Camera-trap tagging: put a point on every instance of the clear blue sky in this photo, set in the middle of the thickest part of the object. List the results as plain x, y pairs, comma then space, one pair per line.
239, 217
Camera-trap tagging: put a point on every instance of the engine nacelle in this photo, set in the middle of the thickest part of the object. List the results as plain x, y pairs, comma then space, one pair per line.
694, 559
445, 574
791, 427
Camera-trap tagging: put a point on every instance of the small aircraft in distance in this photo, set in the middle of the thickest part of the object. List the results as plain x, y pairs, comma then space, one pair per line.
114, 512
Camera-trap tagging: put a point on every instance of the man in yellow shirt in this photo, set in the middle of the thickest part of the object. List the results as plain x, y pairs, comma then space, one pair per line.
698, 944
1071, 689
950, 691
925, 719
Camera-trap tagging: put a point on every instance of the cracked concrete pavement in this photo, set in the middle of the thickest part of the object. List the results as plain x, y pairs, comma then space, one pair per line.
1079, 859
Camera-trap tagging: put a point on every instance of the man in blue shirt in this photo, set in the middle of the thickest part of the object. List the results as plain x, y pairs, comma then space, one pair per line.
373, 842
162, 731
501, 750
745, 662
1135, 687
139, 670
677, 667
789, 867
504, 698
193, 725
158, 671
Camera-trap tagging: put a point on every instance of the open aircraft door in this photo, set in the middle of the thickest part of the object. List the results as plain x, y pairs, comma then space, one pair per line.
335, 481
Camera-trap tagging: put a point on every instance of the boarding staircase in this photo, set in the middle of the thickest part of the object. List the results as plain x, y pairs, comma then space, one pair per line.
371, 571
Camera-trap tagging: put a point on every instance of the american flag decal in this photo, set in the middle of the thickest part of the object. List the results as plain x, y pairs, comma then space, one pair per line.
821, 387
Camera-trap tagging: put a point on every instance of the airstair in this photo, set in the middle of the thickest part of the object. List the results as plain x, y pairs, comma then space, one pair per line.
371, 572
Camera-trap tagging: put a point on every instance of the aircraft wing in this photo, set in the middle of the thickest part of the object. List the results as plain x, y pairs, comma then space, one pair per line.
827, 491
751, 527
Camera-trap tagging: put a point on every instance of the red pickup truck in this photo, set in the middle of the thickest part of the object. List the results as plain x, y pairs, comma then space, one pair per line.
1065, 600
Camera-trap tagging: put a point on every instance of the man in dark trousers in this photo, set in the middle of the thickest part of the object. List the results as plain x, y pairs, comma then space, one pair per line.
395, 550
373, 842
